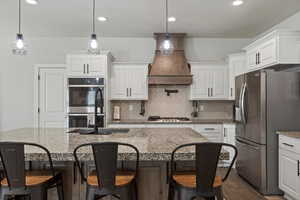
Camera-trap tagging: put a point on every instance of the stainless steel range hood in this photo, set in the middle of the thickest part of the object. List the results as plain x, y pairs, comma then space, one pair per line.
170, 69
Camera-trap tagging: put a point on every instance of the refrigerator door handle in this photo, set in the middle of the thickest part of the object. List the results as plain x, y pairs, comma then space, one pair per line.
242, 106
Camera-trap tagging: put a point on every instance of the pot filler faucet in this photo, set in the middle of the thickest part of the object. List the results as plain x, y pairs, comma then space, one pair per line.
98, 103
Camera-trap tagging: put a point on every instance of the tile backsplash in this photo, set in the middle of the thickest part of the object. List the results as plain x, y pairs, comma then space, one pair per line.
175, 105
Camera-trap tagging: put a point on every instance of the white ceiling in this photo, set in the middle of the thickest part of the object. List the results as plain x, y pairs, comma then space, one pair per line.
139, 18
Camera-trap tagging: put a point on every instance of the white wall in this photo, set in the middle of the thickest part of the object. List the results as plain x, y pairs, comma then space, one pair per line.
16, 72
292, 22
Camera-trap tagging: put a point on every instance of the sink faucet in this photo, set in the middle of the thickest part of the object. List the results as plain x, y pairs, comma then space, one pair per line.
98, 103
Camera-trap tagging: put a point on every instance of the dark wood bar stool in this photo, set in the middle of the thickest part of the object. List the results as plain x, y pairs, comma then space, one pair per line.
202, 182
17, 182
106, 180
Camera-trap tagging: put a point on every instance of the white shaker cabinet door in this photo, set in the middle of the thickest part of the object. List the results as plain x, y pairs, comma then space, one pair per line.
219, 78
137, 82
200, 88
119, 83
289, 180
96, 65
268, 53
77, 64
129, 81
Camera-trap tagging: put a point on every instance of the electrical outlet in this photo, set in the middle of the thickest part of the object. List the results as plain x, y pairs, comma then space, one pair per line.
201, 108
130, 107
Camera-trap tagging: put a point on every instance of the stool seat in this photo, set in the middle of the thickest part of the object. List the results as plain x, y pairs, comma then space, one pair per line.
33, 178
122, 178
188, 179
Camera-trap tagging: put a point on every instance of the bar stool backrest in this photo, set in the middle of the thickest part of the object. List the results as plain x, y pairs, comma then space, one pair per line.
206, 161
105, 157
12, 155
207, 157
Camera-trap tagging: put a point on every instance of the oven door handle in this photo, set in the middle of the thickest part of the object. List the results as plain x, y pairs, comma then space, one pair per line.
84, 114
86, 86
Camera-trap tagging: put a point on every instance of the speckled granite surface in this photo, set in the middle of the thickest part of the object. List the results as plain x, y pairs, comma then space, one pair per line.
193, 121
154, 144
293, 134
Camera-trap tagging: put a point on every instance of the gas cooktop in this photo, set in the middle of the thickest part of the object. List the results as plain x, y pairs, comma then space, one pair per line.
168, 119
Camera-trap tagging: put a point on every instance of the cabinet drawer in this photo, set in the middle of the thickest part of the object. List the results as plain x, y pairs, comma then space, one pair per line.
290, 144
208, 128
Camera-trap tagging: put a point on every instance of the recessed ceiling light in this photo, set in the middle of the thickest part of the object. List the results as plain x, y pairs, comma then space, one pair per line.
102, 19
171, 19
237, 2
32, 2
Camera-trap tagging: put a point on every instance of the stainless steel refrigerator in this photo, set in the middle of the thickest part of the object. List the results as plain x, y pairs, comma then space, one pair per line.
266, 101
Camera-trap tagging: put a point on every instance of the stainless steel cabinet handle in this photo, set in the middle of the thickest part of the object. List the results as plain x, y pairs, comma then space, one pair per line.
88, 68
84, 68
258, 58
127, 92
231, 92
208, 92
209, 129
130, 90
211, 93
298, 168
289, 145
225, 132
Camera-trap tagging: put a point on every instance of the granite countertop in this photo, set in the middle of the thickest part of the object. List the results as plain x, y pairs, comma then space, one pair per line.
293, 134
193, 121
154, 144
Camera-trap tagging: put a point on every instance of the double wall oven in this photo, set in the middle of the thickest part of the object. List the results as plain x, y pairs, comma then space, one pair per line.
81, 102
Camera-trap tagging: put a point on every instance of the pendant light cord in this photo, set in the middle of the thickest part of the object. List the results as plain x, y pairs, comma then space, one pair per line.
167, 14
19, 17
94, 5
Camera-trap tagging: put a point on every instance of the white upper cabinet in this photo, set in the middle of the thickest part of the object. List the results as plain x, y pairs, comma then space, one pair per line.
210, 82
277, 47
86, 65
237, 66
129, 81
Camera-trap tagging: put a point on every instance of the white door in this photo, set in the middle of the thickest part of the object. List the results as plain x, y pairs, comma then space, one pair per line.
289, 180
137, 82
119, 87
52, 93
201, 82
219, 80
267, 53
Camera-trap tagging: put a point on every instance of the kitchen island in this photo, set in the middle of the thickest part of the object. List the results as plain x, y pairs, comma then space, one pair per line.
155, 146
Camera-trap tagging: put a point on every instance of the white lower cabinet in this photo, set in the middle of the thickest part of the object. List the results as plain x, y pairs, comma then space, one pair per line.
289, 167
213, 132
229, 133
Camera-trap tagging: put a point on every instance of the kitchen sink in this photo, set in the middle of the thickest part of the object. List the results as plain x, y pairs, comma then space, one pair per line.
101, 131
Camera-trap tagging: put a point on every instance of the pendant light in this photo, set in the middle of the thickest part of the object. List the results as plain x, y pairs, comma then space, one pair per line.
93, 43
167, 46
19, 45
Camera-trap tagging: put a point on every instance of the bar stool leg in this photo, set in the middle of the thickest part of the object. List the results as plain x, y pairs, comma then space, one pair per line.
171, 192
220, 193
60, 191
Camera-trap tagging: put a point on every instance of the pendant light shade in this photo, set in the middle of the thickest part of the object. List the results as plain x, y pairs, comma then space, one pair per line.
19, 45
93, 43
167, 46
